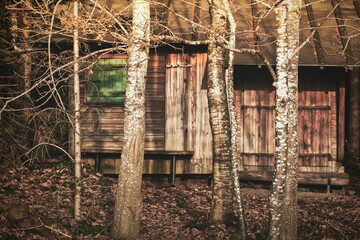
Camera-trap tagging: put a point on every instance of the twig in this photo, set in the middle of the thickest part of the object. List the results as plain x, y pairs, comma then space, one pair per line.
312, 231
104, 228
342, 234
24, 229
58, 231
45, 226
54, 230
53, 145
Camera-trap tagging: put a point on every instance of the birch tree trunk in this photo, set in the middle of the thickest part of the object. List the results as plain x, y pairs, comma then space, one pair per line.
283, 200
354, 120
233, 117
289, 230
281, 121
77, 140
222, 199
126, 224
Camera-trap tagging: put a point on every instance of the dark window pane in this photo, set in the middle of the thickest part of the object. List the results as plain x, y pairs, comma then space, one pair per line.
107, 82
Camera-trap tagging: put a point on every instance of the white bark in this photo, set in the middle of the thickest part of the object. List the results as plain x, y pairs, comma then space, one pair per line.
283, 201
77, 139
233, 118
126, 224
281, 122
222, 202
289, 222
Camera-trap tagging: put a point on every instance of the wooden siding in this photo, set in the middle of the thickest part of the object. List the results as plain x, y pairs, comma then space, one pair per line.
102, 125
177, 117
255, 103
318, 124
315, 114
180, 116
187, 114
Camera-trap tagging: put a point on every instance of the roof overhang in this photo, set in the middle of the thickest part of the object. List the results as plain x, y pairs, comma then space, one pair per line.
329, 29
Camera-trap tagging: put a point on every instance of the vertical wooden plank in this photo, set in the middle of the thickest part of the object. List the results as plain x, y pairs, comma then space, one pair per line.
202, 159
155, 102
189, 106
238, 103
341, 120
305, 130
324, 131
247, 130
333, 125
174, 126
261, 126
177, 105
255, 130
271, 131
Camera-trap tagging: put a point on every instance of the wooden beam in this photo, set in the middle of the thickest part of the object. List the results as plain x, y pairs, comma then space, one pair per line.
345, 40
255, 15
167, 13
316, 38
357, 7
109, 4
316, 178
196, 19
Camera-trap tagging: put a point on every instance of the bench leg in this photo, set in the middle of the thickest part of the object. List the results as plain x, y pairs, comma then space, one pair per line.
97, 163
172, 170
328, 187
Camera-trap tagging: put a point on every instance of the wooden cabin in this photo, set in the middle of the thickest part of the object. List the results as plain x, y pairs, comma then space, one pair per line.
177, 116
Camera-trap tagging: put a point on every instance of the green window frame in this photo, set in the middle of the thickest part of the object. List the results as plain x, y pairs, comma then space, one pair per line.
107, 83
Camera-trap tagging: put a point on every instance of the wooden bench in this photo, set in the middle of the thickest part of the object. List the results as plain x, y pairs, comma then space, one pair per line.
171, 155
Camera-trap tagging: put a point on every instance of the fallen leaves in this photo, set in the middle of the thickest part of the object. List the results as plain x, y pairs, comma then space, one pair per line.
45, 195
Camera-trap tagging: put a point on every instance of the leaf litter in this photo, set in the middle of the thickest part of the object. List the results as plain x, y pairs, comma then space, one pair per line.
37, 203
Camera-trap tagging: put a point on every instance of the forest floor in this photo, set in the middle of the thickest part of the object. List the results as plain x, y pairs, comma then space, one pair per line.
37, 203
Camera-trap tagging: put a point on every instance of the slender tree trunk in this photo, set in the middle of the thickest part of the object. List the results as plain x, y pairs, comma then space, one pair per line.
289, 230
25, 63
354, 119
222, 201
281, 121
126, 224
233, 118
77, 139
283, 200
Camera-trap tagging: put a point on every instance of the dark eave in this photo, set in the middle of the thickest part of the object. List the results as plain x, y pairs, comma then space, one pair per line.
330, 28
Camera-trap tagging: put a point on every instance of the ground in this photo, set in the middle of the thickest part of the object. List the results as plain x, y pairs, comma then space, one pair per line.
36, 202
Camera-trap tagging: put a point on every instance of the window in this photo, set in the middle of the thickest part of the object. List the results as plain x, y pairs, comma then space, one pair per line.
107, 82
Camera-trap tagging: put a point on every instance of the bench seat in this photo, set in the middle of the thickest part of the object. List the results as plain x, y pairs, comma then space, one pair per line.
172, 155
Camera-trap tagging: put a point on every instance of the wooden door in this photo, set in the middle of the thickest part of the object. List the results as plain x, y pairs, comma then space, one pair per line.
179, 101
317, 107
318, 125
187, 124
257, 114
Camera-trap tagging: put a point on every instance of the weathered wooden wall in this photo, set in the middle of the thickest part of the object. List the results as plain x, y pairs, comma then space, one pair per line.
320, 119
187, 115
177, 117
255, 100
102, 124
177, 120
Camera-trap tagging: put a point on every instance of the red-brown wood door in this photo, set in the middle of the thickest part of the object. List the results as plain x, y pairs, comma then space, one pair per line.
317, 125
257, 137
